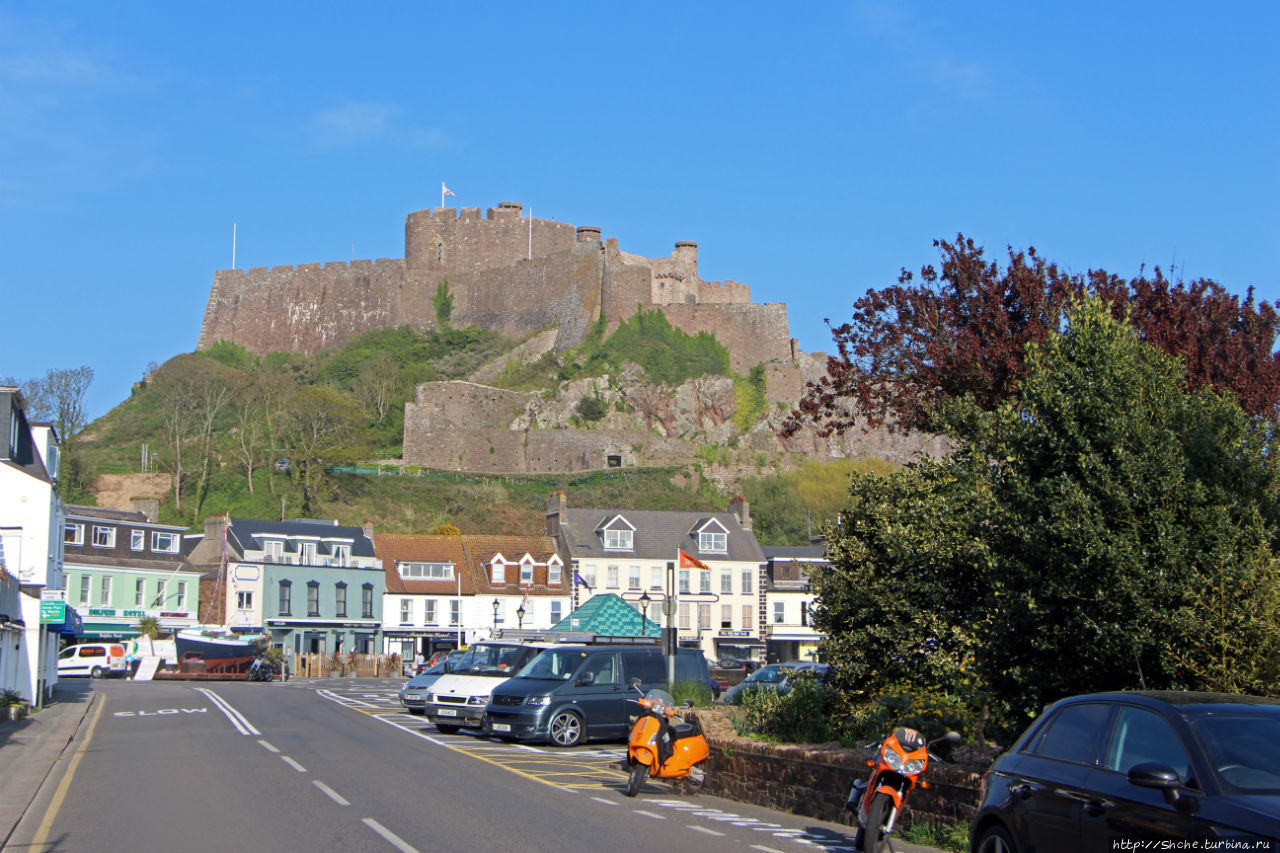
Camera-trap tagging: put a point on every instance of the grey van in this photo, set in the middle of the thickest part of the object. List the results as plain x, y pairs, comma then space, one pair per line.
569, 694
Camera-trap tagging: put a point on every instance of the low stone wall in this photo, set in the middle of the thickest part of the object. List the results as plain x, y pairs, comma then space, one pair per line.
814, 780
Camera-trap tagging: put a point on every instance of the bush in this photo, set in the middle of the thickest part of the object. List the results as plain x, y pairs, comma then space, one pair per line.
932, 714
804, 714
695, 690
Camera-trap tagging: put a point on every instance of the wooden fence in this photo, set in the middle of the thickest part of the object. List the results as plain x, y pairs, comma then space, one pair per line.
345, 665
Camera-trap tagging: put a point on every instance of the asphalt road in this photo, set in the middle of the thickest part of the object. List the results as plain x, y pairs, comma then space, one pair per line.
335, 765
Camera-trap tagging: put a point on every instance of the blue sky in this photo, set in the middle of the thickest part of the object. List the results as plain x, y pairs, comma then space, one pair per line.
812, 151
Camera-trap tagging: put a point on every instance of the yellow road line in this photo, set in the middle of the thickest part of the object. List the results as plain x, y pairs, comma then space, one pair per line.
46, 825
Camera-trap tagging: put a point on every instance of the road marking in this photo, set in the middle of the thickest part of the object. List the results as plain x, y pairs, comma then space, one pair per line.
606, 802
697, 828
295, 765
42, 834
268, 747
764, 849
237, 719
395, 840
650, 814
333, 795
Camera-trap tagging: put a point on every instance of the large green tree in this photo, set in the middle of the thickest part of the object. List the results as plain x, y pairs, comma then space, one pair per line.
1109, 527
321, 427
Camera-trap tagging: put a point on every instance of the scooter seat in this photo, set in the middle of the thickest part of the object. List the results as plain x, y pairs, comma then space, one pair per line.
680, 730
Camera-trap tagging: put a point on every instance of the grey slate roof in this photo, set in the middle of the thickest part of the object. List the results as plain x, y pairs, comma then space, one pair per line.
658, 534
249, 534
796, 552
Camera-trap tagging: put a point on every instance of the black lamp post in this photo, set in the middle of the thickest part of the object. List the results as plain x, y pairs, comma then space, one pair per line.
520, 617
644, 614
496, 605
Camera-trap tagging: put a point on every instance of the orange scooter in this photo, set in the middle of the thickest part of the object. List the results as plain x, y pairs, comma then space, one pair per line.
660, 747
899, 762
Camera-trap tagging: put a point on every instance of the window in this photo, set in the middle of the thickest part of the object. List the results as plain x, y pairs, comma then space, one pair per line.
426, 571
340, 599
1074, 734
137, 540
704, 582
366, 601
556, 613
618, 540
655, 577
104, 537
164, 542
554, 577
341, 556
746, 617
779, 612
162, 591
139, 592
182, 595
726, 583
498, 571
85, 583
244, 600
684, 581
104, 593
589, 575
313, 598
746, 581
453, 612
704, 616
726, 615
1141, 735
804, 613
308, 553
684, 615
286, 598
526, 573
406, 611
73, 534
713, 542
273, 551
430, 615
611, 574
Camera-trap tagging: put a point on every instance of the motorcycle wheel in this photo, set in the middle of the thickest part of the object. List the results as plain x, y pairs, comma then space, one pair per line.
636, 780
873, 838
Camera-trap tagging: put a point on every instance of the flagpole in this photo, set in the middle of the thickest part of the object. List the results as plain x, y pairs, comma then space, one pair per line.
459, 602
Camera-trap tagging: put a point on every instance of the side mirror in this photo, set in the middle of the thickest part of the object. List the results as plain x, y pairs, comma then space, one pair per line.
635, 682
1157, 776
585, 679
951, 737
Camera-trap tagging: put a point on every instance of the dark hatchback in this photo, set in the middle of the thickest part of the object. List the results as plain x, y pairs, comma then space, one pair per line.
1108, 770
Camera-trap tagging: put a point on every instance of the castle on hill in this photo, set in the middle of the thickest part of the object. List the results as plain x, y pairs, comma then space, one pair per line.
505, 271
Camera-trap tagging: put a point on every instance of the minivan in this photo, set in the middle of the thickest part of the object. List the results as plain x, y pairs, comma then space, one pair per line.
457, 698
96, 660
569, 694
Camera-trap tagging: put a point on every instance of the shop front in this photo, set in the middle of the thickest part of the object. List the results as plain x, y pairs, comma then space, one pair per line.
738, 645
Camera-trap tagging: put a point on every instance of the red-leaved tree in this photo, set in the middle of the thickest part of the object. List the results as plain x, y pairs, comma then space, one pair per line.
964, 330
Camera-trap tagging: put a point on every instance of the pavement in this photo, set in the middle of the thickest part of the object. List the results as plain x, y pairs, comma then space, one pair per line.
32, 748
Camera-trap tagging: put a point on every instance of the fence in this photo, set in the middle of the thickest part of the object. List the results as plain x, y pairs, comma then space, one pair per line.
345, 665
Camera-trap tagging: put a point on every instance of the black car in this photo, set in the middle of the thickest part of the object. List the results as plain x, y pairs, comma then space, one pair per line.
1106, 770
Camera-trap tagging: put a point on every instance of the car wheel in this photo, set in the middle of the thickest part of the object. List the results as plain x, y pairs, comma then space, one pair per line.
567, 729
97, 672
996, 840
636, 780
447, 729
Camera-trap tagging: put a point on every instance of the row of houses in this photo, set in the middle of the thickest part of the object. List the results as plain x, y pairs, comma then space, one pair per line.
76, 573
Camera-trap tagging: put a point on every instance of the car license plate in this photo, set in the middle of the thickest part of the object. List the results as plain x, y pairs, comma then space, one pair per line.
413, 696
447, 712
502, 727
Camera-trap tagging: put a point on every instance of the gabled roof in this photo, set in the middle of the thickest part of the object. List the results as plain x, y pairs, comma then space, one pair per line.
658, 534
471, 557
609, 616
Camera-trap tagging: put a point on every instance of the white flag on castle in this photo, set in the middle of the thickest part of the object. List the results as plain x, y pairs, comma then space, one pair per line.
444, 191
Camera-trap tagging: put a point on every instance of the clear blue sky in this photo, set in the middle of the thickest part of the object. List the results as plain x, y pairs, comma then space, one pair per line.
811, 151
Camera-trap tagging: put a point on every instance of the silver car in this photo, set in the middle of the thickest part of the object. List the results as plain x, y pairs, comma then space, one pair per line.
413, 695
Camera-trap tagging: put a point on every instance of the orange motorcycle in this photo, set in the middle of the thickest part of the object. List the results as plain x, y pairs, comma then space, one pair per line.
661, 746
895, 771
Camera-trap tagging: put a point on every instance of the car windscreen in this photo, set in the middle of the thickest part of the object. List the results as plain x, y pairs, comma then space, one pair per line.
1243, 748
769, 675
553, 665
492, 659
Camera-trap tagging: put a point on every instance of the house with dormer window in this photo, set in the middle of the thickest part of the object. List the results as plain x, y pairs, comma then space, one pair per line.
444, 592
713, 596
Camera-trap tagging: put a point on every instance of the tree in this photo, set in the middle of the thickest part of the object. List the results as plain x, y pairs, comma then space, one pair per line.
377, 385
963, 331
320, 427
58, 398
1083, 536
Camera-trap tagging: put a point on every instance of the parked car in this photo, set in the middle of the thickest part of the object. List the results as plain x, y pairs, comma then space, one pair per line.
1101, 771
569, 694
413, 695
96, 660
775, 676
458, 698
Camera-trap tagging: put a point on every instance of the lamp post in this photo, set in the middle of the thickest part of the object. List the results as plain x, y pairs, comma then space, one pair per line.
644, 614
520, 617
496, 605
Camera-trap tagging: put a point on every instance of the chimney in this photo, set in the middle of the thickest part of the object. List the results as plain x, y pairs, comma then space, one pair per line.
557, 506
367, 527
739, 507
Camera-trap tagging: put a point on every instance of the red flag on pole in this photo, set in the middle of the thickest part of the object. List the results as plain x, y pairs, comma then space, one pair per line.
687, 562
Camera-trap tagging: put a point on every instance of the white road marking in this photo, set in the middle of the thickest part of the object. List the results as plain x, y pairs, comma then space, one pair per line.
704, 829
295, 765
650, 814
333, 795
268, 747
237, 719
764, 849
393, 839
597, 799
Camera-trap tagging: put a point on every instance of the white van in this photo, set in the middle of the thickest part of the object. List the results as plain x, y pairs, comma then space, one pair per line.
95, 660
458, 698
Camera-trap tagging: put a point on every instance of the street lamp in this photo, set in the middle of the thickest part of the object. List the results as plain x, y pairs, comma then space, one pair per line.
496, 605
644, 614
520, 617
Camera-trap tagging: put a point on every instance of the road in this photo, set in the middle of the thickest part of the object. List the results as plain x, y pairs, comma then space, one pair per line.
336, 765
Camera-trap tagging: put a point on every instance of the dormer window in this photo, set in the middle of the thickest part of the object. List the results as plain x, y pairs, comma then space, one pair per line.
273, 550
498, 571
526, 571
713, 538
618, 540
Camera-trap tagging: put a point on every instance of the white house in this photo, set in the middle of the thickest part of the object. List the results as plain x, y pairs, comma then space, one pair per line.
31, 530
789, 631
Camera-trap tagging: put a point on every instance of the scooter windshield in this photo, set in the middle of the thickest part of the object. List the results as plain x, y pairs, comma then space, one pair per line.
660, 701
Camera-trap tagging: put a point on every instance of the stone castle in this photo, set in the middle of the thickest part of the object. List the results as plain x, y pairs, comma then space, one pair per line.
514, 274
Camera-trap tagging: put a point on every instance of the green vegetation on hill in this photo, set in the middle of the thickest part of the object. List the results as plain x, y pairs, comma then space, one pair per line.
647, 338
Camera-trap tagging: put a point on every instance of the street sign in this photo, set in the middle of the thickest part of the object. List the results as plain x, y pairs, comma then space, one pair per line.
53, 612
